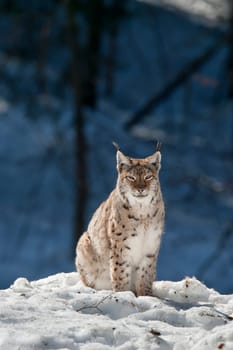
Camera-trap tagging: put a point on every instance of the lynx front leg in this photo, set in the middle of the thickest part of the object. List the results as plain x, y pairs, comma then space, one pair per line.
120, 269
145, 275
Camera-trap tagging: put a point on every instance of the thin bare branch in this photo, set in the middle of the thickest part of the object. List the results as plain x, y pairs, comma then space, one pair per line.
173, 84
96, 306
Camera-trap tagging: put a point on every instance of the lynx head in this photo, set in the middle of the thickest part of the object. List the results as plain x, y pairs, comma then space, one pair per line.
138, 178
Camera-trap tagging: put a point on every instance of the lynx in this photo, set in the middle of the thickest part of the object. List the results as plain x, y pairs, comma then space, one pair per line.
119, 250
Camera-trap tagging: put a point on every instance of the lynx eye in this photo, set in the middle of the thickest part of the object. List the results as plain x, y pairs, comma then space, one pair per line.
148, 177
131, 178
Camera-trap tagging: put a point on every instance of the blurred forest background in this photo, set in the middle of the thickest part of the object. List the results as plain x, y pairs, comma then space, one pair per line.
76, 75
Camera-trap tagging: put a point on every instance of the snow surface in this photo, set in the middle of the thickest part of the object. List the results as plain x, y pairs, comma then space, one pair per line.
58, 312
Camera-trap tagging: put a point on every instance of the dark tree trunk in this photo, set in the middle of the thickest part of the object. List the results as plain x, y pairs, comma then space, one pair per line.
95, 10
230, 57
230, 64
116, 10
80, 144
43, 49
111, 61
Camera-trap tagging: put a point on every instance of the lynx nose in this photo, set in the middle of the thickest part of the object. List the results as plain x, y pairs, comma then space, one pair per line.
141, 190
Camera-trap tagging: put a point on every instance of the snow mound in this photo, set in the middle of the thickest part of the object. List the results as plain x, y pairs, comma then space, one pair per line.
59, 312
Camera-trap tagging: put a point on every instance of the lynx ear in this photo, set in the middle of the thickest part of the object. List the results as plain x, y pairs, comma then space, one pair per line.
155, 159
122, 159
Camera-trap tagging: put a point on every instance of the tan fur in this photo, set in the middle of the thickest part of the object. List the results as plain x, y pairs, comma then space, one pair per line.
120, 248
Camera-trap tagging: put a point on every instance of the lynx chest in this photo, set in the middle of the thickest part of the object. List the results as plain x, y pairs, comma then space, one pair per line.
143, 240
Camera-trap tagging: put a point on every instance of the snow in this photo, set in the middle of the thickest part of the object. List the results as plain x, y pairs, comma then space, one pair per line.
59, 312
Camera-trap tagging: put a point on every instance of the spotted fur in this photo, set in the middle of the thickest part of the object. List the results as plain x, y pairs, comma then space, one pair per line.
119, 250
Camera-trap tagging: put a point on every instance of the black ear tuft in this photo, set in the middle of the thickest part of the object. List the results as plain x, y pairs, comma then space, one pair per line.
158, 146
116, 145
